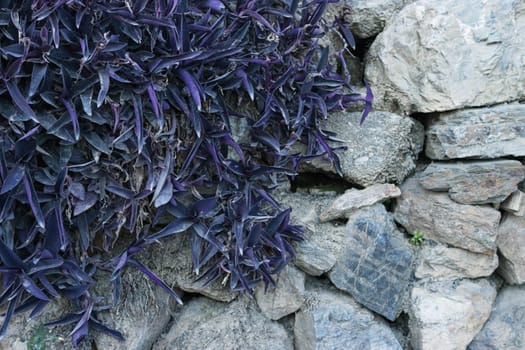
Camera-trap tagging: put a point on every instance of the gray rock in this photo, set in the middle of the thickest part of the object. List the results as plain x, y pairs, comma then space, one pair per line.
376, 262
317, 253
439, 261
171, 260
515, 204
355, 199
141, 316
381, 150
477, 133
330, 320
477, 182
368, 18
211, 325
447, 315
445, 55
285, 298
511, 246
504, 329
439, 218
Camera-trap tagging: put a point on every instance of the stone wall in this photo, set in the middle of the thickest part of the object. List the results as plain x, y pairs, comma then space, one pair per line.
442, 154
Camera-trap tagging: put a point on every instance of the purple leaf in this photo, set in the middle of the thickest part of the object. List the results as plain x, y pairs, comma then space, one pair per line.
34, 203
155, 279
192, 85
13, 178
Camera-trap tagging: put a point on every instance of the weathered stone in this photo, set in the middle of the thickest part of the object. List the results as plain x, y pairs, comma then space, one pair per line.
515, 204
491, 132
375, 263
439, 261
316, 254
172, 262
511, 246
504, 329
381, 150
285, 298
478, 182
355, 199
331, 320
446, 55
447, 315
368, 18
211, 325
439, 218
141, 316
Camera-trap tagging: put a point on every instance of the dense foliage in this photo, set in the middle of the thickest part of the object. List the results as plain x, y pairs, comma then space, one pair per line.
117, 124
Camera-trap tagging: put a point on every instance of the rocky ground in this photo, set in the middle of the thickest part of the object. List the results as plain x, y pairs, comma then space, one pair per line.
442, 154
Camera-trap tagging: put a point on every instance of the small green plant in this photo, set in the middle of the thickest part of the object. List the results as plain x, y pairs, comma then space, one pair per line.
40, 338
417, 237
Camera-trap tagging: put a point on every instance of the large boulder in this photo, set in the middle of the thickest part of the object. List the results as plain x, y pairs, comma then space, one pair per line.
383, 149
212, 325
490, 132
447, 315
504, 329
439, 218
446, 55
477, 182
375, 263
511, 246
331, 320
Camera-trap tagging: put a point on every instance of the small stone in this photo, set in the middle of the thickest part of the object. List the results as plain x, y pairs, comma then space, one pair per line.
447, 315
331, 320
375, 263
285, 298
477, 182
515, 204
438, 261
504, 329
211, 325
439, 218
490, 132
511, 246
355, 199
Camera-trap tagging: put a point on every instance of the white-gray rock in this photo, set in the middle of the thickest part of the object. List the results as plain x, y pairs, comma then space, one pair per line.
446, 55
439, 218
504, 329
515, 204
383, 149
375, 264
331, 320
447, 315
355, 199
438, 261
511, 246
211, 325
285, 298
490, 132
477, 182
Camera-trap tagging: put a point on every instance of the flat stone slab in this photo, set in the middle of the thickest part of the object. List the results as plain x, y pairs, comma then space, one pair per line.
353, 199
491, 132
439, 218
511, 246
375, 264
478, 182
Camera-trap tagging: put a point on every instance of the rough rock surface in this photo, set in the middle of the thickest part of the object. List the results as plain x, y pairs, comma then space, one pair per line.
448, 315
515, 204
141, 316
504, 329
211, 325
382, 149
317, 253
490, 132
474, 182
511, 246
376, 262
331, 320
439, 218
439, 261
355, 199
285, 298
445, 55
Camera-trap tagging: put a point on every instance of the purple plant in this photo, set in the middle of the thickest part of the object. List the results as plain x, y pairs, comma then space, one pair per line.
116, 126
